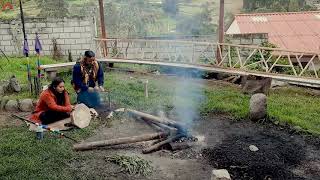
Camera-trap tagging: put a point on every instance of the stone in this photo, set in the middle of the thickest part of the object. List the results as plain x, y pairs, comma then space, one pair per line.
255, 84
253, 148
4, 101
81, 116
314, 92
14, 85
275, 83
12, 105
220, 174
51, 74
258, 107
26, 105
298, 128
222, 76
35, 102
2, 89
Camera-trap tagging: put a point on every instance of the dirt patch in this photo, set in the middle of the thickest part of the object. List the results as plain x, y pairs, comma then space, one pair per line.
223, 143
282, 154
7, 121
274, 159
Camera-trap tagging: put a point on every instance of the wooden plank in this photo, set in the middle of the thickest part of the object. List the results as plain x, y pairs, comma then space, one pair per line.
275, 63
291, 64
281, 77
264, 60
307, 66
245, 62
50, 67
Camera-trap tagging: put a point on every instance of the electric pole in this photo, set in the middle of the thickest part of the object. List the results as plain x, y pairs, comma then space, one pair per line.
103, 28
221, 30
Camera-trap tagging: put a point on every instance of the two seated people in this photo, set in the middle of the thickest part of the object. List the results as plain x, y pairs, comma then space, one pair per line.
87, 80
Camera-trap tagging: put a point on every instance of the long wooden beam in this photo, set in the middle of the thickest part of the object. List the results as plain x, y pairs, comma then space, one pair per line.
280, 77
118, 141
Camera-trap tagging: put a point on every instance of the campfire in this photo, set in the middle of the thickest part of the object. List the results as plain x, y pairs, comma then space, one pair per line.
170, 135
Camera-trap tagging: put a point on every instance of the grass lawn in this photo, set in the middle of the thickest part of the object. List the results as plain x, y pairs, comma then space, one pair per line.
22, 157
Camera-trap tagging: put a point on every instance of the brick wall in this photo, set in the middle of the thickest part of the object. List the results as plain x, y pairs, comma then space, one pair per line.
248, 39
74, 34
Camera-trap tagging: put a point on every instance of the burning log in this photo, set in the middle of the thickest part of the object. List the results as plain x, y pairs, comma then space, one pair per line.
159, 126
181, 129
154, 126
157, 146
175, 146
125, 140
175, 129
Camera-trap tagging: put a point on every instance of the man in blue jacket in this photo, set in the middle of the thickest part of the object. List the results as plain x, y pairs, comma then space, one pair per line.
88, 80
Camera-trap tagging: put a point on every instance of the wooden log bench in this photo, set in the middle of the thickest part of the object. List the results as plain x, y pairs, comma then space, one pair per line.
51, 69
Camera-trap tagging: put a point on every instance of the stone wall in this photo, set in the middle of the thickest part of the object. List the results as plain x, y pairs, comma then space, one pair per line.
248, 39
172, 50
74, 34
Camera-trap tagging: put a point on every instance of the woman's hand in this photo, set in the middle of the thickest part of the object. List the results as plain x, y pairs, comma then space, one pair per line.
101, 88
96, 89
90, 89
71, 108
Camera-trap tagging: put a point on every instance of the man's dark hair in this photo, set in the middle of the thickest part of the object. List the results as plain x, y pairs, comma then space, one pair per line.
89, 54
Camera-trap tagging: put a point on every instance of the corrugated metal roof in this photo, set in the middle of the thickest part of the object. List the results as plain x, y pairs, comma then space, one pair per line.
294, 31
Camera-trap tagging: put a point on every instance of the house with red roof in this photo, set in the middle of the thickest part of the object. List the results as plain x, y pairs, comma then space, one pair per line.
297, 31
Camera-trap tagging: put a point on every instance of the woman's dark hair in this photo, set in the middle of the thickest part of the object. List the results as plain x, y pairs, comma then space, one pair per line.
52, 87
89, 54
55, 82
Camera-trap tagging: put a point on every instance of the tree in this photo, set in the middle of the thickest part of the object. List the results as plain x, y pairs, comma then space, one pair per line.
129, 19
276, 5
293, 6
199, 24
170, 6
53, 8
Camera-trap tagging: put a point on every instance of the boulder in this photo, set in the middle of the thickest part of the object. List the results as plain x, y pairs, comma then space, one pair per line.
26, 105
35, 102
255, 84
14, 85
2, 89
258, 107
4, 101
12, 105
253, 148
220, 174
276, 83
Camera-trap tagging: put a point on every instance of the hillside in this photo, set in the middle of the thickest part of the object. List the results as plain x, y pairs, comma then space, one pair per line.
188, 16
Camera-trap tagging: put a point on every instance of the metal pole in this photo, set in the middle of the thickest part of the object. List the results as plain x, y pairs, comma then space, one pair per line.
221, 30
103, 28
22, 20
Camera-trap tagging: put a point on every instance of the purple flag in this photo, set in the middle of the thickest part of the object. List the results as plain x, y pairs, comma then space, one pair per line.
25, 48
37, 45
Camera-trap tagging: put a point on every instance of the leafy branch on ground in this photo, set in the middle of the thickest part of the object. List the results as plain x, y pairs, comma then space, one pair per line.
131, 164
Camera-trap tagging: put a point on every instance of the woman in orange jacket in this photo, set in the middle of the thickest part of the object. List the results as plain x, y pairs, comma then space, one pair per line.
53, 105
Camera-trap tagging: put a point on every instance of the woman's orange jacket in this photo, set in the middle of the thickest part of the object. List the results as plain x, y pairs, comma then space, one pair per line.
48, 101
